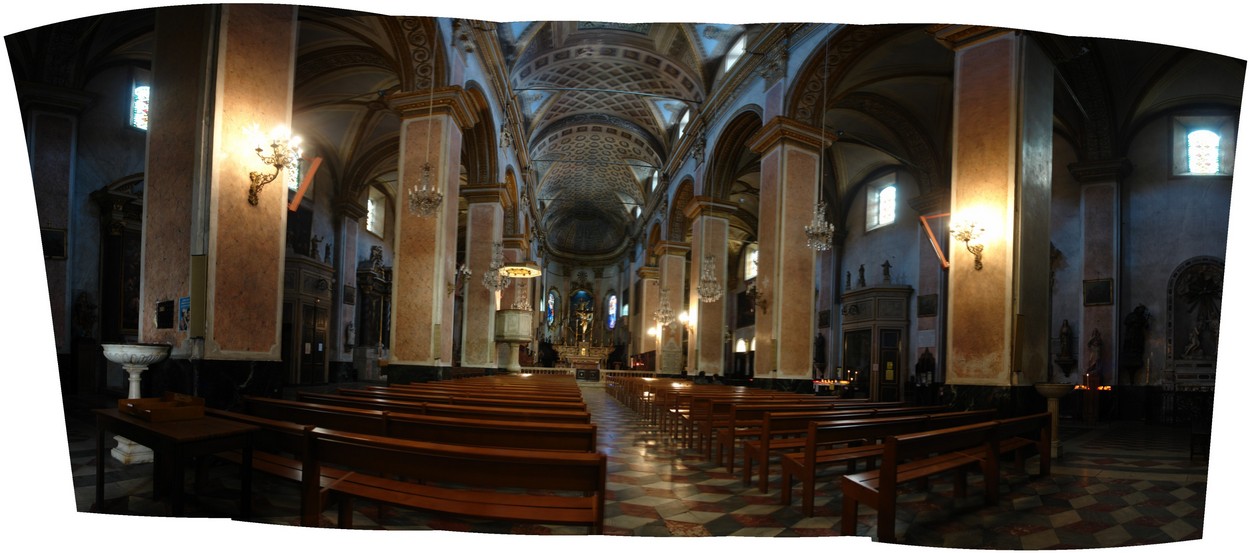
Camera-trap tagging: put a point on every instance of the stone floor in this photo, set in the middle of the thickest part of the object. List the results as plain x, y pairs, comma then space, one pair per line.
1116, 484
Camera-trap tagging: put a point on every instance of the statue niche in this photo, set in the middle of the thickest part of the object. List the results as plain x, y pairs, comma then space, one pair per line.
1195, 294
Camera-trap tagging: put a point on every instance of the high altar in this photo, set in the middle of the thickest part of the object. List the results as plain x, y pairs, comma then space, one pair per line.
584, 355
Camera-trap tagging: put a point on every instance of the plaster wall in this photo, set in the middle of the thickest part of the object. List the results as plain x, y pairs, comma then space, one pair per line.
1167, 220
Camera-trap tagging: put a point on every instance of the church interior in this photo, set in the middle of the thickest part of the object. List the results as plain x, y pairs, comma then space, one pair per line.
278, 203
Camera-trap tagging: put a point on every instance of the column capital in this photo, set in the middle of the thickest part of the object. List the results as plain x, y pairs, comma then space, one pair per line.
706, 206
350, 209
956, 37
784, 129
649, 272
450, 100
483, 193
665, 247
1096, 171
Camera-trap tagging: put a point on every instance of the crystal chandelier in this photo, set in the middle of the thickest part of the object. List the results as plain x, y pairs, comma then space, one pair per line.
664, 315
424, 198
819, 231
709, 288
494, 279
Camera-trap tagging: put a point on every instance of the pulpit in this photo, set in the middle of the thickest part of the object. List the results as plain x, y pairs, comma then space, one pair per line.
515, 327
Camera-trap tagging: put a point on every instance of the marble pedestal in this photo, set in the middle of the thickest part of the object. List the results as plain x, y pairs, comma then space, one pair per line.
134, 359
1052, 393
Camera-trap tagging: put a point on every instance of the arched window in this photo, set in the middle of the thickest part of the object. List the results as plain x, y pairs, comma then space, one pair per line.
1203, 151
553, 305
751, 266
611, 311
882, 203
375, 217
140, 101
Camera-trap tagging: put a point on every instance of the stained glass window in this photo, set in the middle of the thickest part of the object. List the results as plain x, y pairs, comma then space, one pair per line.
612, 311
139, 102
551, 307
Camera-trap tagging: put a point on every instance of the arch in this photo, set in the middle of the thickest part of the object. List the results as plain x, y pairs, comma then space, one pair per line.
479, 153
1195, 294
731, 156
678, 226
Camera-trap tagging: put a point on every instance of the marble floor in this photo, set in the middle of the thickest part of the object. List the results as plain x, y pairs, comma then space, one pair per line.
1116, 484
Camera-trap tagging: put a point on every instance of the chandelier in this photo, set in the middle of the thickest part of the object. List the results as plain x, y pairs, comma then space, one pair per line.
819, 231
424, 198
493, 278
709, 288
664, 315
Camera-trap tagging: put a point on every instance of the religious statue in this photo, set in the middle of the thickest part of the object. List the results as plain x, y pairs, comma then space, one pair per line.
1065, 359
1133, 355
1094, 352
885, 271
327, 255
375, 256
860, 283
316, 245
585, 318
848, 280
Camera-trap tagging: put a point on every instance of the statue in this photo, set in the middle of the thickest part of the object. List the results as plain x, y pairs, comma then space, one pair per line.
316, 244
327, 255
860, 283
375, 257
848, 280
585, 318
1094, 352
1133, 355
1065, 359
885, 271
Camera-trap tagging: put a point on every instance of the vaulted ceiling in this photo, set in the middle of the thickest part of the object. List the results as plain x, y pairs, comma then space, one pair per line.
600, 103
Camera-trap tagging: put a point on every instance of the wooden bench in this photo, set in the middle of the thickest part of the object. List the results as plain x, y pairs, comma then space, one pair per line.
446, 409
464, 399
746, 419
782, 431
831, 443
574, 436
552, 487
918, 456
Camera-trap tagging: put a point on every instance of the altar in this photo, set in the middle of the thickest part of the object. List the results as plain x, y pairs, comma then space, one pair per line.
583, 355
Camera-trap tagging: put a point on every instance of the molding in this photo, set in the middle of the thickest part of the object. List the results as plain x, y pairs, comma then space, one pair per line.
453, 101
784, 129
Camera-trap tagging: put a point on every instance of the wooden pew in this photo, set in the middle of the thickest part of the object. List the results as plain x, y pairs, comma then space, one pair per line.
479, 482
918, 456
746, 419
466, 399
440, 409
782, 431
830, 443
442, 429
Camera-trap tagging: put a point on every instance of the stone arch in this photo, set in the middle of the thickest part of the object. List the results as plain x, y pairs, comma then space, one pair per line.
678, 226
479, 154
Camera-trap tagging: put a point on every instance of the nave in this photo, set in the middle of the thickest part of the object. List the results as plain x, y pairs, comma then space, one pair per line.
1116, 484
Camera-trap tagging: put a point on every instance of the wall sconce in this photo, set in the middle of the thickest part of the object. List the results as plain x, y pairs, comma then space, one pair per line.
969, 232
284, 150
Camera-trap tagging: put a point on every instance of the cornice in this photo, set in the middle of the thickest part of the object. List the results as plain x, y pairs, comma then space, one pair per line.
784, 129
451, 100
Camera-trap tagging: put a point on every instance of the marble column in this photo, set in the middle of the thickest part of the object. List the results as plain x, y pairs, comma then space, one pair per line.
643, 311
52, 113
201, 236
1001, 180
483, 229
785, 320
425, 247
347, 215
1100, 262
672, 265
709, 224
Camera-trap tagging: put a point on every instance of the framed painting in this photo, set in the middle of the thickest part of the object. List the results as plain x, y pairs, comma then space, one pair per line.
1099, 292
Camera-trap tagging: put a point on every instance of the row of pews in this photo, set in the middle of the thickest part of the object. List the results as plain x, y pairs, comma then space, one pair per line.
871, 448
500, 447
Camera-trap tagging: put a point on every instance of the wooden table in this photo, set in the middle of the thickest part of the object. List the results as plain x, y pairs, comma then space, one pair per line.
175, 443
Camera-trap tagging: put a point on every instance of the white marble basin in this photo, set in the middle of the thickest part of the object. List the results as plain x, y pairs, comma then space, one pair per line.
1053, 390
136, 354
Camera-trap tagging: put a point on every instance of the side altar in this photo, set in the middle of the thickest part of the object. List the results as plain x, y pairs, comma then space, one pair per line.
583, 355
